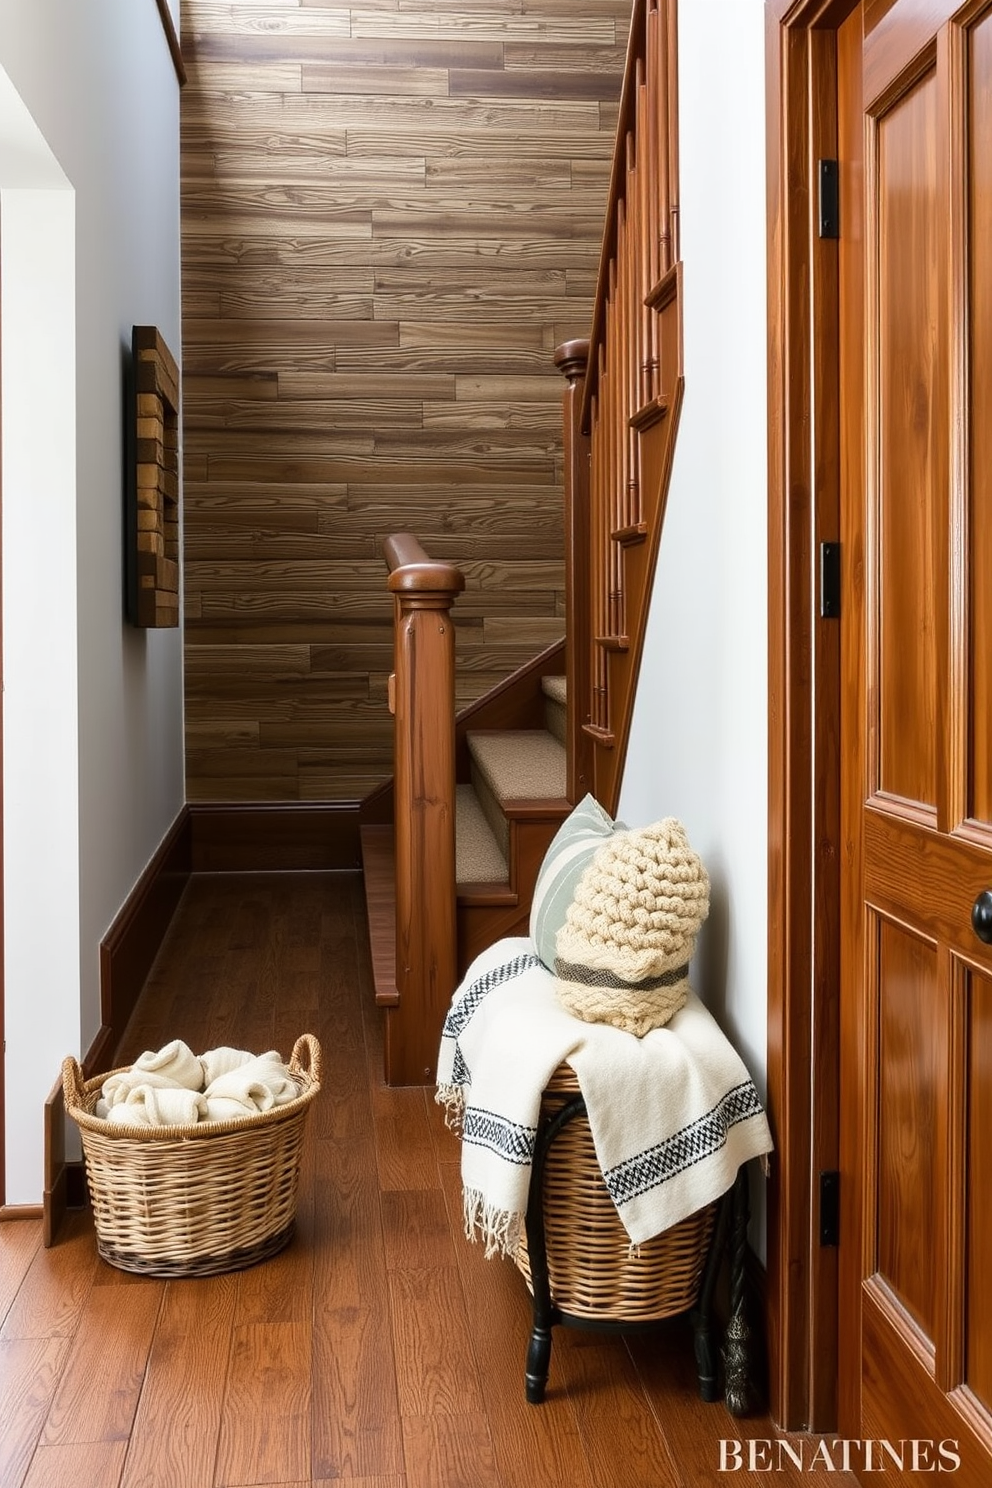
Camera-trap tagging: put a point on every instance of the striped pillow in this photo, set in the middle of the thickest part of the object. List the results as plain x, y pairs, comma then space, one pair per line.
576, 842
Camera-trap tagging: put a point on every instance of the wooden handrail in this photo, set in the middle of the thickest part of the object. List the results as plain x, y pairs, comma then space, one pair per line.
422, 696
175, 50
401, 549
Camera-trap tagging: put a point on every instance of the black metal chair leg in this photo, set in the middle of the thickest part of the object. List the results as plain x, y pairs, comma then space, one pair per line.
707, 1356
544, 1311
538, 1363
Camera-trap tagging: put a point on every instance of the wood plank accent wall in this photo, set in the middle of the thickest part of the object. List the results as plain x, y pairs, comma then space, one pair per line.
392, 214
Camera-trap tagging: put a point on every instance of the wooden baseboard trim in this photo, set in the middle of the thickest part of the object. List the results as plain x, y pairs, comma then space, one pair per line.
55, 1198
274, 837
377, 809
10, 1212
132, 942
126, 955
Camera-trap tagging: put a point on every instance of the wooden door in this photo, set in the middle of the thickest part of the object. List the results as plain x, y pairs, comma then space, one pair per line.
915, 141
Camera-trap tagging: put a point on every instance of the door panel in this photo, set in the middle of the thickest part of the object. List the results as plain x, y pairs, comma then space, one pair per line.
978, 1334
980, 205
907, 1103
911, 445
917, 981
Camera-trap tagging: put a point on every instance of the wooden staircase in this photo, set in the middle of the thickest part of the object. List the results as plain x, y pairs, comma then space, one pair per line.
507, 787
511, 796
451, 853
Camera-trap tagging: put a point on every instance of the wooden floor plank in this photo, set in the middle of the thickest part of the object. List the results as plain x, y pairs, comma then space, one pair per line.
99, 1466
356, 1420
416, 1233
265, 1429
404, 1146
55, 1287
435, 1362
399, 1481
531, 1444
600, 1377
98, 1390
20, 1241
453, 1450
30, 1370
178, 1421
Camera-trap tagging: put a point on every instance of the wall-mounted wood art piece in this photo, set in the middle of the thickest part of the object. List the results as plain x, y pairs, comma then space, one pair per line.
152, 527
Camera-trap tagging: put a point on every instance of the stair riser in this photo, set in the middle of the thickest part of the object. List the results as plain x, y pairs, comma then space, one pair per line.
492, 810
555, 716
477, 860
480, 926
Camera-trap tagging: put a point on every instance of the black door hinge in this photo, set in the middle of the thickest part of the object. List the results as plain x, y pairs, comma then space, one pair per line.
829, 580
829, 183
830, 1208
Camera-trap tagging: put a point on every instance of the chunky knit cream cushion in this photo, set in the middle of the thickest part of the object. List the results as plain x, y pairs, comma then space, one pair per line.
622, 955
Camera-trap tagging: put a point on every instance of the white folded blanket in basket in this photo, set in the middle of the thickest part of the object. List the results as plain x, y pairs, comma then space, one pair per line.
170, 1087
117, 1087
259, 1085
175, 1062
156, 1105
672, 1115
217, 1062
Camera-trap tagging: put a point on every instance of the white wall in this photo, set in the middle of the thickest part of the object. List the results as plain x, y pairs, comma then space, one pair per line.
698, 749
93, 757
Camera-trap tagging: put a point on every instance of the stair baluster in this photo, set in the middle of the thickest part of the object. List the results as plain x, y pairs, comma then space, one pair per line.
572, 360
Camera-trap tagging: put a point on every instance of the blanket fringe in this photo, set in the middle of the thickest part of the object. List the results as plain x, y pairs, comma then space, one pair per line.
498, 1229
452, 1098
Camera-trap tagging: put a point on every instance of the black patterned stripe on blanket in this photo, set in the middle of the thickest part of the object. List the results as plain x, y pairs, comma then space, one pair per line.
684, 1148
511, 1142
462, 1011
461, 1075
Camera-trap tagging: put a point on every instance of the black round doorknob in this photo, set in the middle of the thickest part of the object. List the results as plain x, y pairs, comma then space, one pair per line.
981, 916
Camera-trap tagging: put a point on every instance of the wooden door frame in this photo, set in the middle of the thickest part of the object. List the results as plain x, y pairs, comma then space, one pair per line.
803, 712
3, 1024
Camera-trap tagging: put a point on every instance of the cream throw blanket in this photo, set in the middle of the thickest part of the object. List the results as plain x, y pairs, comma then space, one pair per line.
672, 1115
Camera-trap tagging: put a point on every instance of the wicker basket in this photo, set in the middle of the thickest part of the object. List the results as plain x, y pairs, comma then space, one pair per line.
194, 1200
593, 1271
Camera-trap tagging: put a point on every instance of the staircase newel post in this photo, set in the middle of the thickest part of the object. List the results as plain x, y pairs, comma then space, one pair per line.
572, 360
424, 705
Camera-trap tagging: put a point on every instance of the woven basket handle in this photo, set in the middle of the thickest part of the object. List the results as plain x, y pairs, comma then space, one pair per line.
72, 1083
306, 1043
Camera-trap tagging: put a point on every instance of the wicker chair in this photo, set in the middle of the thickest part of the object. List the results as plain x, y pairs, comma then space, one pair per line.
579, 1266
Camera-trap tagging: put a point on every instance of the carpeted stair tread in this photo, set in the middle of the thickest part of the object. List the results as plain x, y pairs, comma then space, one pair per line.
555, 689
477, 855
520, 764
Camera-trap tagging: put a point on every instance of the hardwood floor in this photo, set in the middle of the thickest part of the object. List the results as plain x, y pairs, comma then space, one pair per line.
380, 1348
